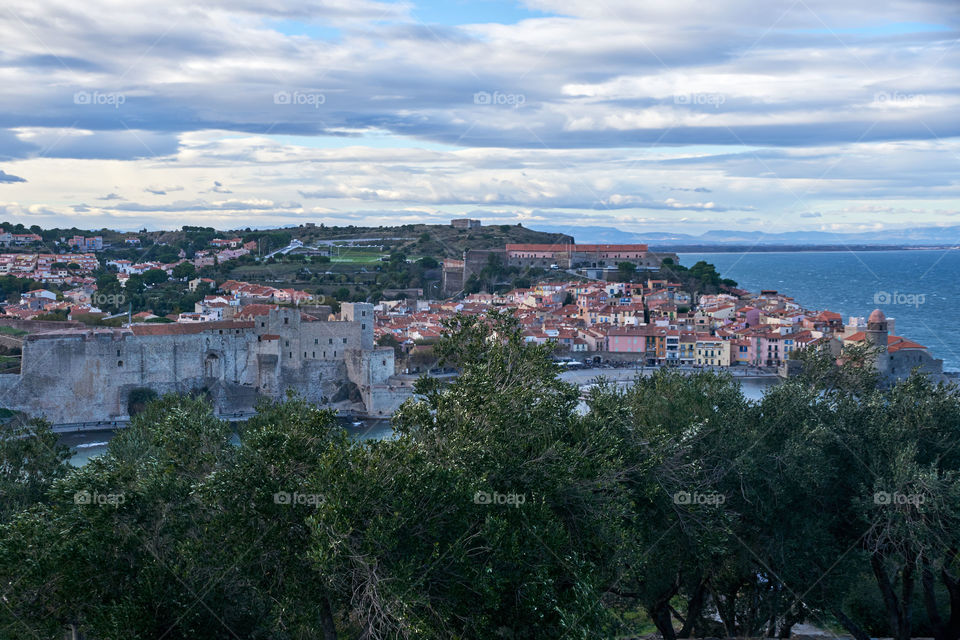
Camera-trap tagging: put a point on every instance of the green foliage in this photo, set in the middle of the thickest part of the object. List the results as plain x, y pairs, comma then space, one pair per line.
702, 277
58, 315
155, 276
138, 399
503, 507
184, 270
31, 459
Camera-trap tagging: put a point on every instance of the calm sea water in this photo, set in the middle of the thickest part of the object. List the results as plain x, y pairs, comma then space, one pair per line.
917, 288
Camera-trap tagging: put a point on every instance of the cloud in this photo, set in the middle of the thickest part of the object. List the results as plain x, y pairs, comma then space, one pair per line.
763, 76
162, 191
7, 178
578, 108
203, 206
112, 196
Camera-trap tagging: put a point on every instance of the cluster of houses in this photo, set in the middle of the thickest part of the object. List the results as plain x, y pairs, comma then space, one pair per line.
237, 297
226, 250
234, 298
653, 323
205, 258
48, 267
8, 239
40, 302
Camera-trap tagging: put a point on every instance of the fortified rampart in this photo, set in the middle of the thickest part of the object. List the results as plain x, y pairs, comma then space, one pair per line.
88, 375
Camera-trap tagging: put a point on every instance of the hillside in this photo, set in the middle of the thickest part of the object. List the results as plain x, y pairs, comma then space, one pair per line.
438, 241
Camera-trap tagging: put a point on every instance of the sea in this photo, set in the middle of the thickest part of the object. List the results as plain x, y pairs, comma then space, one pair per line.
916, 288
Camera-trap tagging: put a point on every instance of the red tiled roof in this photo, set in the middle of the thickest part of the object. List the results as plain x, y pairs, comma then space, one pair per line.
251, 310
186, 328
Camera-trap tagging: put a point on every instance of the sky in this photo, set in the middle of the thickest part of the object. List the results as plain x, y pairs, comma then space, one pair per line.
645, 115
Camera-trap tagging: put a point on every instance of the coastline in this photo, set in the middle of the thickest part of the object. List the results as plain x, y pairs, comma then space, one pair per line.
686, 248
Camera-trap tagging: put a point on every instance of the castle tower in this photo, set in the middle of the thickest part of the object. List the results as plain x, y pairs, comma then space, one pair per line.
876, 335
361, 312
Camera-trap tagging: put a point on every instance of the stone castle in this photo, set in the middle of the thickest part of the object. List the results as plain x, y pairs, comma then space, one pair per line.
87, 375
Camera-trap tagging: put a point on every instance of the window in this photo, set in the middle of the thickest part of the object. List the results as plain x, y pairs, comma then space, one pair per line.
330, 340
384, 363
334, 354
263, 324
120, 363
314, 354
118, 353
286, 321
286, 343
304, 354
363, 326
291, 355
344, 341
316, 341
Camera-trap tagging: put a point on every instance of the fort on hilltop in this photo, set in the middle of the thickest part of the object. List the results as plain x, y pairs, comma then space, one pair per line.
597, 261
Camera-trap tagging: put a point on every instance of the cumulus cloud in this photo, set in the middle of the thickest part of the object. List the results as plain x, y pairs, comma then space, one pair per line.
7, 178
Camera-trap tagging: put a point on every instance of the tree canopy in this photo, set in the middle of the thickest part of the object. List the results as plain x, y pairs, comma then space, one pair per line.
507, 505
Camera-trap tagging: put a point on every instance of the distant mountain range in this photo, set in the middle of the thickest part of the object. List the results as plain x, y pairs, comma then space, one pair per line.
919, 236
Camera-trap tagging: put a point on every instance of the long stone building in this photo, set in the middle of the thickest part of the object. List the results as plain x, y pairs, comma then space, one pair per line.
592, 260
88, 375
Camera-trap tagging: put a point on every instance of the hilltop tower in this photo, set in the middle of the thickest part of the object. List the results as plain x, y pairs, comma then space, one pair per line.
876, 335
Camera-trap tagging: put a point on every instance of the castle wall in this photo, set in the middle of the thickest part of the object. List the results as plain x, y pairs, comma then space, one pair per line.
87, 375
